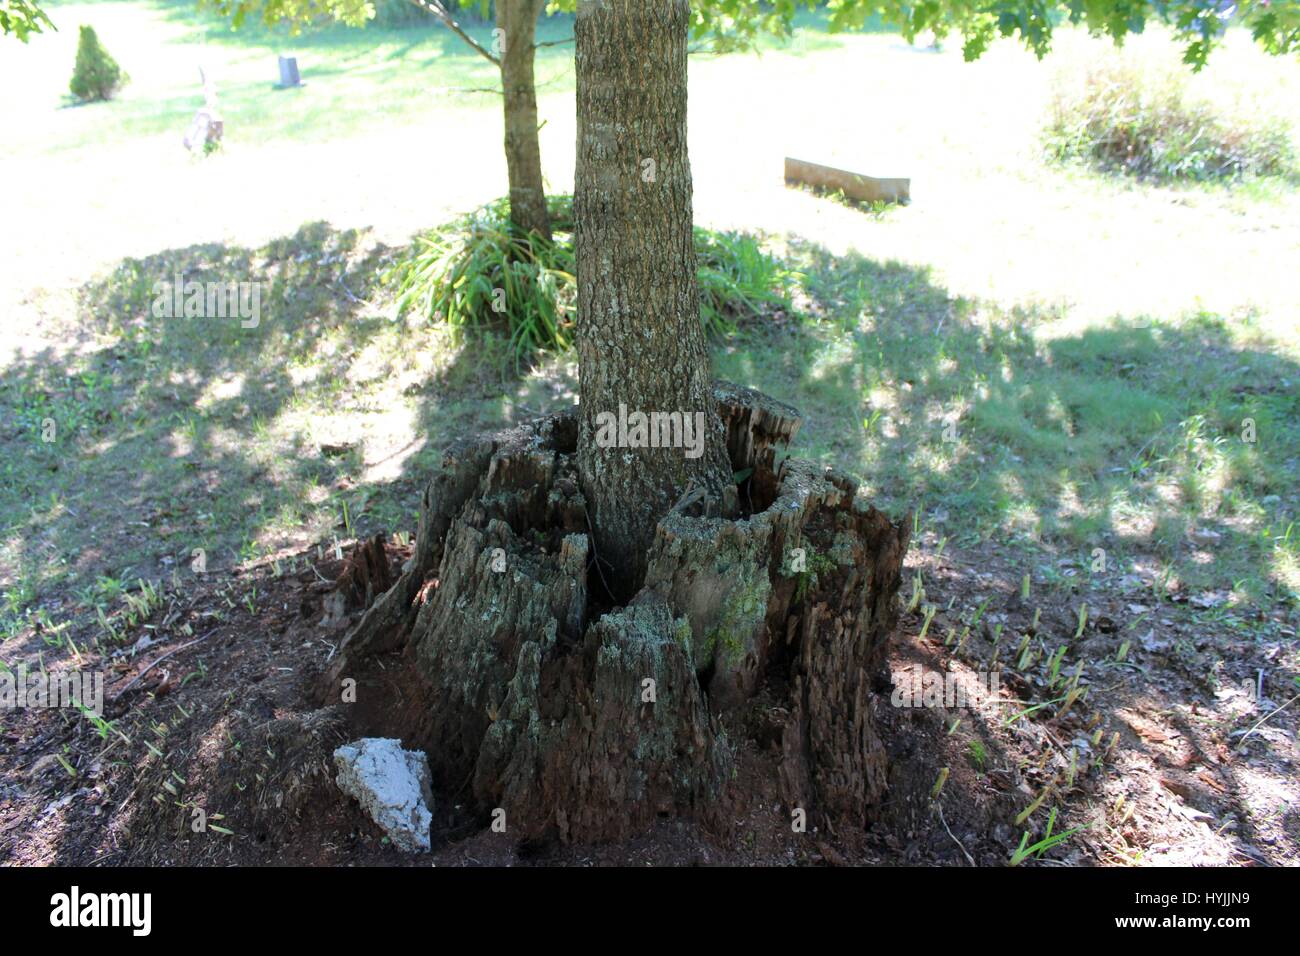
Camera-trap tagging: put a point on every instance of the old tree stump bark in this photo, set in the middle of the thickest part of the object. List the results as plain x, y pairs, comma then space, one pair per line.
590, 624
586, 721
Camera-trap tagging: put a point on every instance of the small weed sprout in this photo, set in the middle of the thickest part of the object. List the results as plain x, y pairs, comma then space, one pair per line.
930, 611
938, 784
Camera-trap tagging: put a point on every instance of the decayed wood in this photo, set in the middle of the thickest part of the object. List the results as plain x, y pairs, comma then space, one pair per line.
596, 743
756, 424
818, 570
495, 595
479, 470
586, 725
833, 759
853, 185
365, 574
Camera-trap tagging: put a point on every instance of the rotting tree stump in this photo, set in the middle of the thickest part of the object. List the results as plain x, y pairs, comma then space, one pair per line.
586, 721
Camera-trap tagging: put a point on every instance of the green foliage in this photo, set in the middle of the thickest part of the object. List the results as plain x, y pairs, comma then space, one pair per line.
391, 14
816, 565
1119, 117
22, 18
96, 75
388, 14
732, 24
738, 280
1275, 24
295, 14
396, 14
1049, 840
481, 271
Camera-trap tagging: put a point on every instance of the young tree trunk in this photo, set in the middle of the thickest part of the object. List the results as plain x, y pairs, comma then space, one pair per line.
641, 346
517, 19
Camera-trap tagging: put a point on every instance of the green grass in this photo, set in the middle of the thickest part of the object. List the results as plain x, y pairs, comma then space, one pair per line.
180, 434
1007, 300
1003, 427
356, 80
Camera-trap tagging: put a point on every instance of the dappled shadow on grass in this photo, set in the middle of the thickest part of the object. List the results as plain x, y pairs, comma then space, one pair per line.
173, 434
998, 425
170, 434
1109, 465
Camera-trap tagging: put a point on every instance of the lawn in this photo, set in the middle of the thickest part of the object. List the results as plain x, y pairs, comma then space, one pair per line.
1086, 379
1095, 344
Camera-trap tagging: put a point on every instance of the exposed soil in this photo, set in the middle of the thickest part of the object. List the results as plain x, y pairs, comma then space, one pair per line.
223, 722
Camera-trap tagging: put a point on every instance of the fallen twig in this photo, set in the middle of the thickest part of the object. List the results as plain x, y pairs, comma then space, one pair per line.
969, 859
136, 679
1266, 717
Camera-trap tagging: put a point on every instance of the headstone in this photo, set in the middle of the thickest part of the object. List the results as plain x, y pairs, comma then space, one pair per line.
289, 71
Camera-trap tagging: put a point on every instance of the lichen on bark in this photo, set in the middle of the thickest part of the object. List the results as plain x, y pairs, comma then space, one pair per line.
535, 694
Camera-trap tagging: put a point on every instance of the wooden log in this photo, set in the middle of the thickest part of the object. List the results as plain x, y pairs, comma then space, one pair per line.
853, 185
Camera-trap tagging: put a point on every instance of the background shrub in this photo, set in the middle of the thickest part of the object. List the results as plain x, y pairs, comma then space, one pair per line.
1120, 116
96, 75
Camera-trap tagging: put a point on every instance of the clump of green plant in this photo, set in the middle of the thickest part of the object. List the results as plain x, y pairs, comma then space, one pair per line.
1119, 117
738, 280
480, 271
1049, 840
877, 209
96, 75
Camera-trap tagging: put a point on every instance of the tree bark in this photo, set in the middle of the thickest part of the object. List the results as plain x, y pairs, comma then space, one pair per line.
587, 724
641, 346
517, 19
531, 694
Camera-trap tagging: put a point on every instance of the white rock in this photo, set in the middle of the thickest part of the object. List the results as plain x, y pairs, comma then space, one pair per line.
392, 785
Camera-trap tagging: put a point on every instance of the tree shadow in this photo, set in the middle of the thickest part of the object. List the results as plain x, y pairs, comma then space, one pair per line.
1170, 445
172, 434
168, 434
1123, 438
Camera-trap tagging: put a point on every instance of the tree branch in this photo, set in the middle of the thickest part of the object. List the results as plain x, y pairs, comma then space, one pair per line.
438, 10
